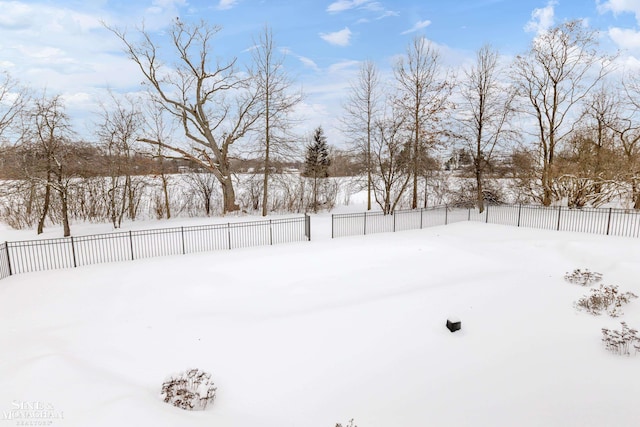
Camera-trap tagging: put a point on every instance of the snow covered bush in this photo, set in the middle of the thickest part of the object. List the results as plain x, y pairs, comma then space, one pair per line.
189, 390
621, 342
605, 298
584, 278
351, 424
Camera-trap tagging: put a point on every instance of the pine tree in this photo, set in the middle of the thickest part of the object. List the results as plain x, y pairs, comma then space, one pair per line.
317, 162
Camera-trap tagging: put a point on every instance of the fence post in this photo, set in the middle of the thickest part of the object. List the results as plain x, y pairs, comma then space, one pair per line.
182, 237
394, 220
73, 252
486, 212
421, 215
271, 233
332, 224
446, 214
365, 223
519, 213
229, 233
6, 248
559, 212
468, 214
609, 222
131, 244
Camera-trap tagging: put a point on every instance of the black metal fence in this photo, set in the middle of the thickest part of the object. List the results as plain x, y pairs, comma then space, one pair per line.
615, 222
609, 221
48, 254
351, 224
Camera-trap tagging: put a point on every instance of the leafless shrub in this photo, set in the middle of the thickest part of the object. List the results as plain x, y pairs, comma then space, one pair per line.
189, 390
583, 277
327, 194
621, 342
605, 298
351, 424
580, 191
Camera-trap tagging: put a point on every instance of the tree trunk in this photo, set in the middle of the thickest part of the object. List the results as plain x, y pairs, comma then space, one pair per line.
228, 196
479, 192
165, 191
131, 197
65, 212
265, 183
635, 189
426, 192
45, 206
30, 201
369, 178
547, 186
112, 202
414, 200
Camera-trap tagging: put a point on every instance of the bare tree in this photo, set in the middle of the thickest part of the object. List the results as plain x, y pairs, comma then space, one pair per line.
158, 127
486, 110
212, 102
275, 103
560, 69
118, 133
202, 188
47, 150
391, 154
13, 100
587, 165
601, 111
361, 109
627, 131
423, 92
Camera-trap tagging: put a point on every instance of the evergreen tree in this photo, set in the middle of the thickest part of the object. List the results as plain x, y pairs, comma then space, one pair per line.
317, 162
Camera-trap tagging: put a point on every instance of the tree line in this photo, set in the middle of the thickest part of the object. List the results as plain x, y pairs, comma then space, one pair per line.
561, 112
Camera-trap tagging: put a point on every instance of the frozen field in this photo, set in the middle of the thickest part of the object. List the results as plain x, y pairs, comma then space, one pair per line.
315, 333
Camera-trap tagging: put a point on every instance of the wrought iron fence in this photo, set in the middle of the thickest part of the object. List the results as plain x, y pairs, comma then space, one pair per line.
48, 254
615, 222
608, 221
351, 224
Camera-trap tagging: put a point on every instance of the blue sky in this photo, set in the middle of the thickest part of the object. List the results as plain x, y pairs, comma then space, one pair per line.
62, 46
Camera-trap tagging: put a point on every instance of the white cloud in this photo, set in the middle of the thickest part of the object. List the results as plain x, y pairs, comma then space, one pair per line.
342, 5
625, 38
348, 65
308, 62
226, 4
64, 50
542, 18
388, 13
417, 27
15, 15
338, 38
619, 6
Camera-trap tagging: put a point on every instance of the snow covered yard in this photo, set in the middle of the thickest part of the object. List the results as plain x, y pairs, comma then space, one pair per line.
315, 333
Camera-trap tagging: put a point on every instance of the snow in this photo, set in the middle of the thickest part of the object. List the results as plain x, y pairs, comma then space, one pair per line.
316, 333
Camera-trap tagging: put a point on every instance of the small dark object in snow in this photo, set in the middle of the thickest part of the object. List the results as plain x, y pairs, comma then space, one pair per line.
454, 324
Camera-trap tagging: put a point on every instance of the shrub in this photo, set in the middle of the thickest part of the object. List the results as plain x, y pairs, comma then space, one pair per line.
351, 424
606, 297
584, 278
189, 390
621, 342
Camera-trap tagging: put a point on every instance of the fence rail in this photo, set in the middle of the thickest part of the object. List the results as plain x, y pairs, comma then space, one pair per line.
614, 222
48, 254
